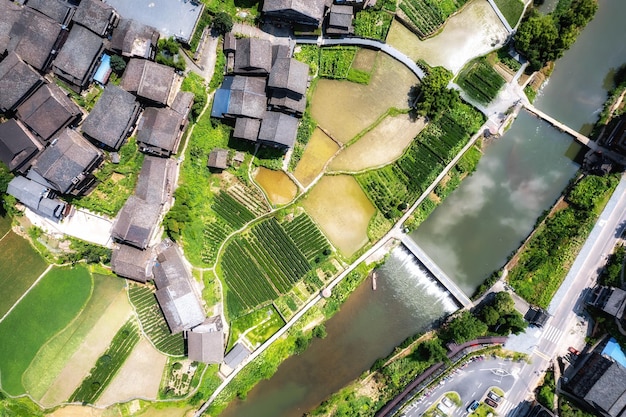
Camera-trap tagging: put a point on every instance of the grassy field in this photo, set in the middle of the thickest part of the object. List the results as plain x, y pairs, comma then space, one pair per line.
21, 265
46, 310
53, 356
511, 9
263, 323
5, 225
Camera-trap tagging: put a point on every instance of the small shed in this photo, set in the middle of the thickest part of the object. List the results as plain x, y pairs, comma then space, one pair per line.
218, 159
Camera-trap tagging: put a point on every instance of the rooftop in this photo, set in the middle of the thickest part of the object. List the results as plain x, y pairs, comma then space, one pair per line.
48, 111
112, 118
134, 39
297, 11
17, 146
218, 158
289, 74
155, 182
79, 56
136, 222
34, 37
148, 80
96, 15
253, 56
247, 128
35, 196
58, 10
17, 81
278, 129
237, 354
10, 13
247, 97
132, 263
206, 341
159, 131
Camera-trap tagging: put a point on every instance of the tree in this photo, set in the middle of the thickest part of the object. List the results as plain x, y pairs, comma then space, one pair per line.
222, 23
490, 316
465, 327
536, 38
503, 303
434, 96
433, 351
118, 64
320, 331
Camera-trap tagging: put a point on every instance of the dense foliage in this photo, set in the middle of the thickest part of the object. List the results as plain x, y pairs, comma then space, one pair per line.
372, 24
611, 275
222, 23
544, 38
168, 53
195, 84
434, 97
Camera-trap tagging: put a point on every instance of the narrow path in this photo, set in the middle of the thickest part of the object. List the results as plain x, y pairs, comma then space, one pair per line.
500, 16
26, 292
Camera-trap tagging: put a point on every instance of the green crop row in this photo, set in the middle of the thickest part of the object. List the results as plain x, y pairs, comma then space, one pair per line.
153, 322
232, 211
107, 365
427, 16
308, 237
335, 62
481, 81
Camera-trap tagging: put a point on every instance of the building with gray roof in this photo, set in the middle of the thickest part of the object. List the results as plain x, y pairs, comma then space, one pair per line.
48, 111
148, 80
96, 16
133, 39
182, 104
601, 383
136, 223
132, 263
253, 56
247, 128
340, 20
205, 343
10, 13
177, 299
67, 163
79, 57
278, 130
17, 146
17, 82
296, 12
218, 159
37, 197
237, 355
159, 131
155, 184
113, 117
57, 10
35, 38
287, 84
247, 97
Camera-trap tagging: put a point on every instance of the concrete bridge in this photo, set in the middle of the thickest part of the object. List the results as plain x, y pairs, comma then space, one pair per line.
434, 269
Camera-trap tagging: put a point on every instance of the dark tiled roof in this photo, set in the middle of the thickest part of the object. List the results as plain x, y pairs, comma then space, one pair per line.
299, 11
286, 102
253, 55
58, 10
112, 118
278, 129
230, 42
96, 15
341, 18
178, 301
17, 145
132, 263
67, 161
218, 158
182, 103
206, 342
134, 39
17, 82
79, 56
33, 37
159, 131
155, 183
148, 80
10, 13
289, 74
136, 222
237, 354
247, 128
247, 97
35, 197
48, 111
280, 51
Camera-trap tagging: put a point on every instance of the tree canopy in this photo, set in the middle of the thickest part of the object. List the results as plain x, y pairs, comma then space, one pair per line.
222, 23
434, 96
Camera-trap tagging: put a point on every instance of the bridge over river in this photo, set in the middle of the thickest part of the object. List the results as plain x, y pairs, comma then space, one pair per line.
434, 269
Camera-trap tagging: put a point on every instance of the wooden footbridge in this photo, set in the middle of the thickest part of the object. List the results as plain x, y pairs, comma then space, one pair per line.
434, 269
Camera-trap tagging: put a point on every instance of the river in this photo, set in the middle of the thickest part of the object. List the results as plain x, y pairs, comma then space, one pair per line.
519, 176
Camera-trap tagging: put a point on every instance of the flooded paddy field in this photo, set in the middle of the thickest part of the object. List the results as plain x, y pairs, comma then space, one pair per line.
278, 187
316, 154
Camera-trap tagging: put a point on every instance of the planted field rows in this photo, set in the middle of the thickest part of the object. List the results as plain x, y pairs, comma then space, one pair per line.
235, 214
481, 81
153, 322
107, 365
427, 16
249, 197
214, 233
266, 263
335, 62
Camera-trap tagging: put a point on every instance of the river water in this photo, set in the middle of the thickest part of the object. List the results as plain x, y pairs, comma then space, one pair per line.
469, 235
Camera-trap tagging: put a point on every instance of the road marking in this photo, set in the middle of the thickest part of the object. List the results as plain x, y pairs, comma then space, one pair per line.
505, 407
552, 334
542, 355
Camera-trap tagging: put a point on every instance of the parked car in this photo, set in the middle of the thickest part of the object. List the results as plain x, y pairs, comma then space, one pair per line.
573, 351
491, 403
473, 406
494, 396
447, 402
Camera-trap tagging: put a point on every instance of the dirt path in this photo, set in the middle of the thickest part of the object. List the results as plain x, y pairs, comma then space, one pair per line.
139, 377
95, 344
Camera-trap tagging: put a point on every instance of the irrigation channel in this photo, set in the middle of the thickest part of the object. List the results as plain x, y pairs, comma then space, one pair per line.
469, 235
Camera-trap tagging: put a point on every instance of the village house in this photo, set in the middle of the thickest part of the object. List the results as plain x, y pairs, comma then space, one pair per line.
287, 83
160, 131
133, 39
236, 356
112, 119
247, 97
183, 102
175, 295
253, 56
58, 10
96, 16
79, 58
10, 13
36, 38
230, 48
278, 130
205, 343
247, 129
148, 80
67, 163
37, 198
132, 263
48, 111
610, 300
18, 146
156, 180
218, 159
308, 13
340, 20
17, 82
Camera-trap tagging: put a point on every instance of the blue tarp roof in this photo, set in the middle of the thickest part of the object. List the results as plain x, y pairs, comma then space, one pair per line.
104, 70
220, 103
614, 350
